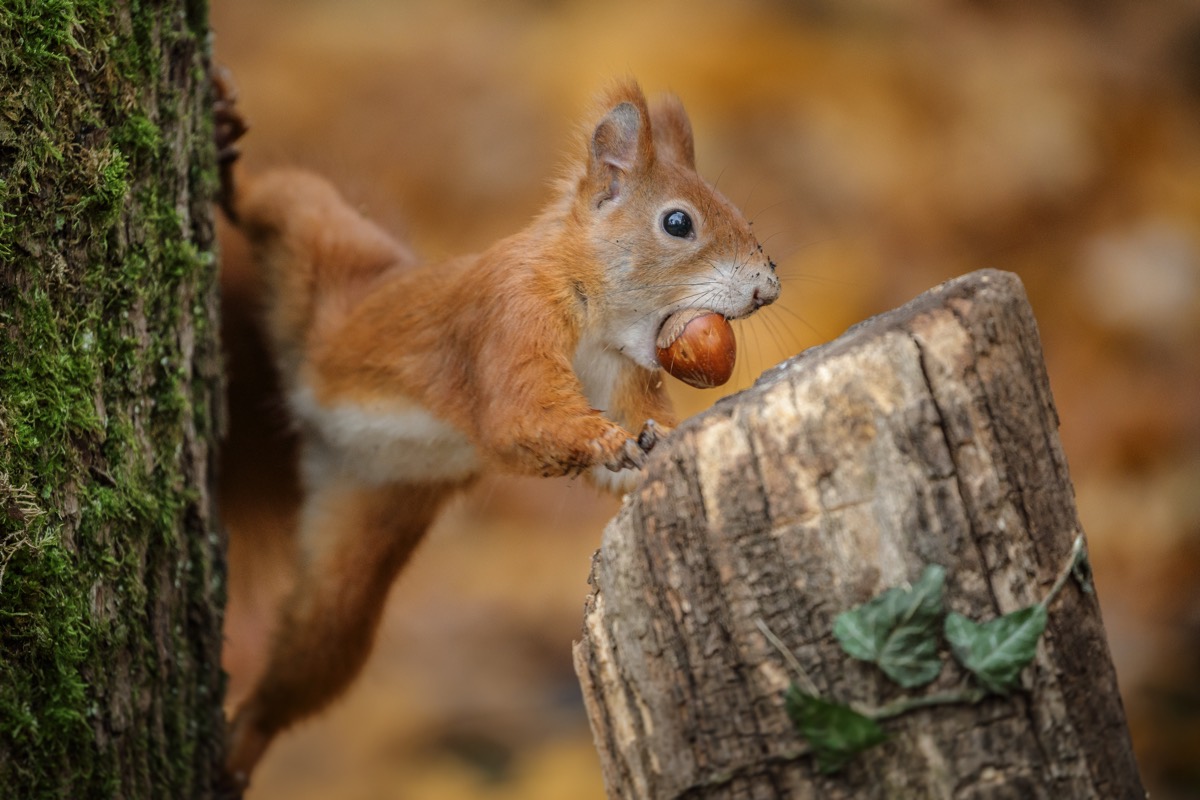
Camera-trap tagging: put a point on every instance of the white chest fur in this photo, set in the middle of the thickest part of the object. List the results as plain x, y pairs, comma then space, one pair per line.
378, 443
598, 367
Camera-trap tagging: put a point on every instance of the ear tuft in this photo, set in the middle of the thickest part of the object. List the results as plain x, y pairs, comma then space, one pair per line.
673, 131
615, 140
622, 146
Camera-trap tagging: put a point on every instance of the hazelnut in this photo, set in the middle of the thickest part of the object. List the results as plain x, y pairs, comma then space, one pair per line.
698, 347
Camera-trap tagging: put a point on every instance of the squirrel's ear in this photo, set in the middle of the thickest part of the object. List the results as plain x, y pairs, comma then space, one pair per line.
621, 146
673, 131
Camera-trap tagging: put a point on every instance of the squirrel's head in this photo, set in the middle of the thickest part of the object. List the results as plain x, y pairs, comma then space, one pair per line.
663, 238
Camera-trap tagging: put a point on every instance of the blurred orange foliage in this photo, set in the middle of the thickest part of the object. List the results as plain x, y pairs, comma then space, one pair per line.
880, 147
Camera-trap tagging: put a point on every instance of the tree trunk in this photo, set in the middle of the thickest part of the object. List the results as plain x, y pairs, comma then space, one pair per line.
111, 567
924, 436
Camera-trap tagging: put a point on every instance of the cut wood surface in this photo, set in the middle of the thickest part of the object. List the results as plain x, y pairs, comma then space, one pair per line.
926, 435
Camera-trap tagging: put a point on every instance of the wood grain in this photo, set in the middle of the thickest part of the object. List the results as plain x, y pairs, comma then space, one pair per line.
925, 435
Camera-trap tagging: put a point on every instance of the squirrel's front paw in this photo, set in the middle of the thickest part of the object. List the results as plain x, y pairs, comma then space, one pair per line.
651, 434
623, 452
229, 126
624, 470
617, 450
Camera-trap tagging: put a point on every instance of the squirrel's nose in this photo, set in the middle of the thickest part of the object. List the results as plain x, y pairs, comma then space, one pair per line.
767, 293
762, 298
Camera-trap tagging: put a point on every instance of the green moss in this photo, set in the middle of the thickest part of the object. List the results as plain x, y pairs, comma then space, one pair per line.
8, 228
138, 135
90, 373
48, 33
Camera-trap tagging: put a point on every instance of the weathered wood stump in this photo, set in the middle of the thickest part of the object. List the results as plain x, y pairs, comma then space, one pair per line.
927, 435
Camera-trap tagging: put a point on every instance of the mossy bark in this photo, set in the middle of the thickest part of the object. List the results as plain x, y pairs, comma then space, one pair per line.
111, 567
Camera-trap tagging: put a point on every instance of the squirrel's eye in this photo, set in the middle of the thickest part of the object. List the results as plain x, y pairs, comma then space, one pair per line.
677, 223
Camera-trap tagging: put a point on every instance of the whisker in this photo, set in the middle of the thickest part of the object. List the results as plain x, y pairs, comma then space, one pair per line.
769, 238
746, 203
655, 286
720, 175
810, 278
757, 350
697, 299
803, 244
762, 211
802, 321
618, 245
794, 342
772, 332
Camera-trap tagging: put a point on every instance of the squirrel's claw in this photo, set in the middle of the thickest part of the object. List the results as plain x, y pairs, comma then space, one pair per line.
649, 435
229, 126
632, 456
634, 452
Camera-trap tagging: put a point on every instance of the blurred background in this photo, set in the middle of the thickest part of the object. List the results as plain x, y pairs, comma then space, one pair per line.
881, 146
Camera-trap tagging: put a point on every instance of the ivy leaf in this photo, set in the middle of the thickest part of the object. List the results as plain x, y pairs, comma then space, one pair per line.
835, 732
898, 630
996, 651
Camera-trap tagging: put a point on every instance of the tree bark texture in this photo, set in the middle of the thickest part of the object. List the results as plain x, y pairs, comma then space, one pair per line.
111, 567
927, 435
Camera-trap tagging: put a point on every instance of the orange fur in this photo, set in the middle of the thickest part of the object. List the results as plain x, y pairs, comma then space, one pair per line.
356, 539
534, 357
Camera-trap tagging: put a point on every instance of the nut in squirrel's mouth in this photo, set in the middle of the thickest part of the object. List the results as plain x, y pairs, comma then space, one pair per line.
675, 323
698, 347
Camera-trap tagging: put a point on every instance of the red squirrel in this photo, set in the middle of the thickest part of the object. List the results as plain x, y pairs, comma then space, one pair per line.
407, 380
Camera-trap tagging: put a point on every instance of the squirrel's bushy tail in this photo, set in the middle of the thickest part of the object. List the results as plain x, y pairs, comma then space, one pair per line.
317, 255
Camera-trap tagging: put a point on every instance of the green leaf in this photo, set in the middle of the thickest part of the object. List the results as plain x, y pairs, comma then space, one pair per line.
835, 732
996, 651
898, 630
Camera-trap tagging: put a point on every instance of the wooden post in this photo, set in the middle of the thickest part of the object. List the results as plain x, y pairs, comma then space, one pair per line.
923, 436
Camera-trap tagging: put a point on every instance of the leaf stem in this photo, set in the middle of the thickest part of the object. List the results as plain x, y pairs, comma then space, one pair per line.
806, 683
1065, 573
903, 705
